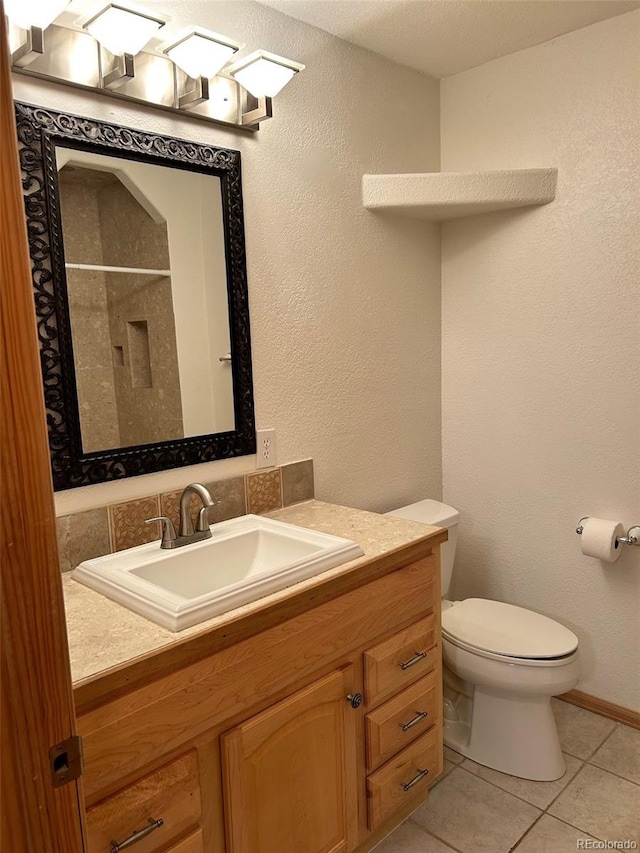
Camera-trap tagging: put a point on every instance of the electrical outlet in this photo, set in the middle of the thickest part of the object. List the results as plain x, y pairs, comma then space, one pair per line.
265, 448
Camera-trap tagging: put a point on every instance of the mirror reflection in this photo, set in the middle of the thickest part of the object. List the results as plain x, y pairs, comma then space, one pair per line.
148, 302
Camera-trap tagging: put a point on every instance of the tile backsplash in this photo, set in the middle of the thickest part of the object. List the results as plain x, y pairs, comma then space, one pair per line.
127, 523
264, 491
95, 532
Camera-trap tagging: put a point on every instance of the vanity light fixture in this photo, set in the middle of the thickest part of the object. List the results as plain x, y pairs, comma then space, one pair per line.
264, 74
34, 13
34, 16
200, 54
109, 53
123, 32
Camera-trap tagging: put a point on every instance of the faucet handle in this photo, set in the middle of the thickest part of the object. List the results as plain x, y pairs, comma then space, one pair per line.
203, 517
168, 530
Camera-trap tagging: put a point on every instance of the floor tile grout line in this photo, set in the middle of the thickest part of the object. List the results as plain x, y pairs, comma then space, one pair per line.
602, 743
583, 761
542, 811
527, 831
613, 773
497, 787
433, 835
573, 779
526, 802
578, 828
517, 796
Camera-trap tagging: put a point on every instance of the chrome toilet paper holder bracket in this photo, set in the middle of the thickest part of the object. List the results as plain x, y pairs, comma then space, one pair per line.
632, 537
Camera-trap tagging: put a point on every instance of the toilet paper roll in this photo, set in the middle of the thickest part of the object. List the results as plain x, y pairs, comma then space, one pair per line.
599, 539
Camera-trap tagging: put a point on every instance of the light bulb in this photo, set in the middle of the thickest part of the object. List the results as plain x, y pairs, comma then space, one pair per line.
34, 13
121, 30
264, 74
202, 53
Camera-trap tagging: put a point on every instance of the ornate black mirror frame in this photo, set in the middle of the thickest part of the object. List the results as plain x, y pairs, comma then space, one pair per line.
40, 131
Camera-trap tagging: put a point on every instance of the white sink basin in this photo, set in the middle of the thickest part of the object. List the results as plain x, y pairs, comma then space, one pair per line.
247, 558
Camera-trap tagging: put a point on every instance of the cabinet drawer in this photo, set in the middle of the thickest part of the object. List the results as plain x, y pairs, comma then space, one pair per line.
193, 844
400, 660
170, 794
403, 778
401, 720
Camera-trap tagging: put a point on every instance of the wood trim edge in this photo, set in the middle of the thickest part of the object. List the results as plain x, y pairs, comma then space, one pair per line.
600, 706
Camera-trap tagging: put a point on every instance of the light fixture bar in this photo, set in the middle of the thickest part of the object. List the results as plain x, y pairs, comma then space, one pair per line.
198, 95
263, 111
124, 71
31, 49
74, 57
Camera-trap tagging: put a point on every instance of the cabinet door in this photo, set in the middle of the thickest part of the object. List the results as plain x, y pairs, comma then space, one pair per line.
290, 773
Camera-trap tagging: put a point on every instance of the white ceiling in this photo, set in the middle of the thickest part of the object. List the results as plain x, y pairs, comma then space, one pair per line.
443, 37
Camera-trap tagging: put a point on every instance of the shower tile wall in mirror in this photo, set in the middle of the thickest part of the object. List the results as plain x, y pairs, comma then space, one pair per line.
139, 272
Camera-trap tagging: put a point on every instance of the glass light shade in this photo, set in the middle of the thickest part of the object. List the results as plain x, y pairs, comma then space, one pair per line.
34, 13
202, 54
264, 74
122, 30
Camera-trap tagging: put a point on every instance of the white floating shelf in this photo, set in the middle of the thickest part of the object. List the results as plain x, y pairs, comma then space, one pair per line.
451, 195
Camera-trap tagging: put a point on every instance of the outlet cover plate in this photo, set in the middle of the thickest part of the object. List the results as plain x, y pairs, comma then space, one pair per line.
265, 448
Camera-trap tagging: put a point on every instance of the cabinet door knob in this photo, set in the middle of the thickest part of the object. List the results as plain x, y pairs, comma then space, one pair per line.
355, 699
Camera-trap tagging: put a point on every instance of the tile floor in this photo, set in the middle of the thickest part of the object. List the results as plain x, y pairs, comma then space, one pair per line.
476, 810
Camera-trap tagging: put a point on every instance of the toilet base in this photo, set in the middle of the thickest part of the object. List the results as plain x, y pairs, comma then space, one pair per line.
515, 734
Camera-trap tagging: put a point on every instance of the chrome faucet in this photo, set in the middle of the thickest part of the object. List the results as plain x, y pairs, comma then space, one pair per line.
186, 534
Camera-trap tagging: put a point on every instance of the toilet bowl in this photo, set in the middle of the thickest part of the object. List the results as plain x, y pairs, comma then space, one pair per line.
502, 665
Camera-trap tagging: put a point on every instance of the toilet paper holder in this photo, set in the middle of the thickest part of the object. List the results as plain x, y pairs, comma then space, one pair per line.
632, 537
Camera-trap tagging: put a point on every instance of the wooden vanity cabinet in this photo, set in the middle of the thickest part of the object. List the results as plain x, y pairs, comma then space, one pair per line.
289, 739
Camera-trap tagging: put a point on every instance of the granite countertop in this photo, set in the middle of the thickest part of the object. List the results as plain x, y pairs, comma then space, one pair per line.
103, 634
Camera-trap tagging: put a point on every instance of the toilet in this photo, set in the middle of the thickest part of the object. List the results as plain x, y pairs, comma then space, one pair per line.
502, 665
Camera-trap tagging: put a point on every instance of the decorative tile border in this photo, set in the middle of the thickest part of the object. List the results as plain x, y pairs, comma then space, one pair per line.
104, 530
264, 491
127, 523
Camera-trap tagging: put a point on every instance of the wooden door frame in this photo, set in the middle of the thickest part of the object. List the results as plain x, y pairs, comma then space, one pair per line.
36, 692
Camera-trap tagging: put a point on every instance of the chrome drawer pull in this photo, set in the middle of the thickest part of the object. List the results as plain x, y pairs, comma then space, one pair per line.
137, 836
407, 785
413, 661
419, 716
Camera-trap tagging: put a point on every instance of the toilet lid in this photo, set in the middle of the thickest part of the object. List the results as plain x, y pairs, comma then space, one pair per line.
505, 629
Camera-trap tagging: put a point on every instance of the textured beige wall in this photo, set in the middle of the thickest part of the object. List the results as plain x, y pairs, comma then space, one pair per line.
541, 342
345, 306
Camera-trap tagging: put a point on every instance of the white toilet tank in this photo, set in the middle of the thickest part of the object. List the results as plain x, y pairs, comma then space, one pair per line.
440, 515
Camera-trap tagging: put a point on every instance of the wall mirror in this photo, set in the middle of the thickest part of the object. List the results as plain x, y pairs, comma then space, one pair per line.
139, 273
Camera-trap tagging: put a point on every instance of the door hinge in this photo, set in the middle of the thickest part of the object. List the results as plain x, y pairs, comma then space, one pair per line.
66, 761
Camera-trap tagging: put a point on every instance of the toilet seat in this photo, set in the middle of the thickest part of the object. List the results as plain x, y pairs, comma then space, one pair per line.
506, 632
